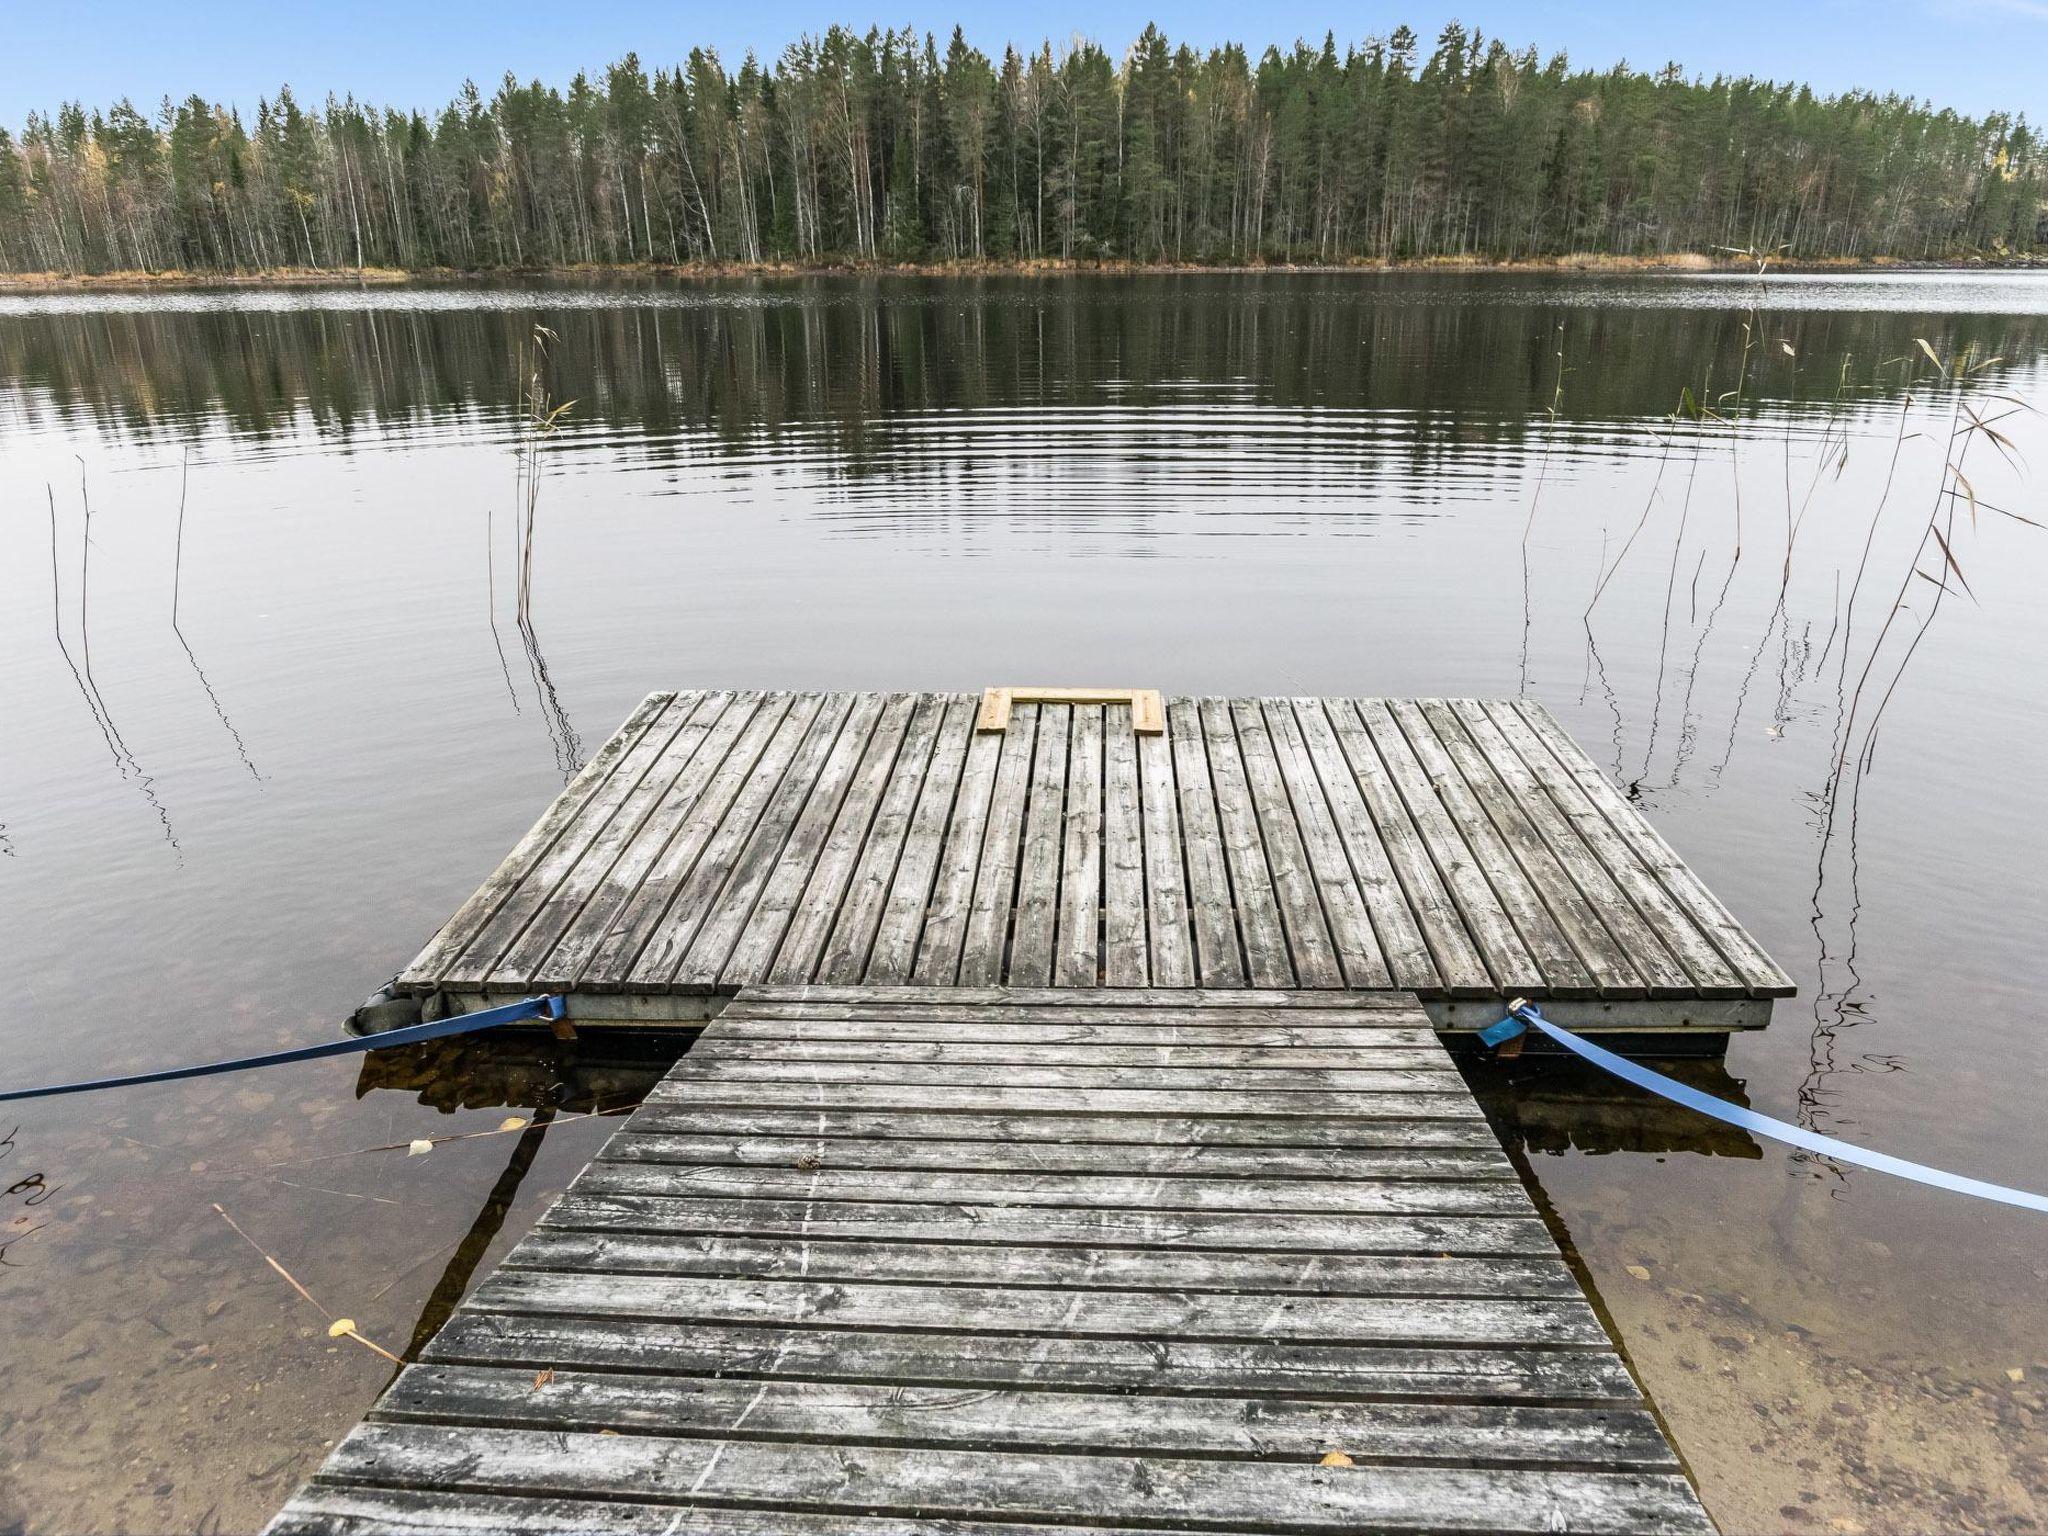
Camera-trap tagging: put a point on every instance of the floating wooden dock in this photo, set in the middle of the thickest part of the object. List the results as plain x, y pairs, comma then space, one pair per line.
1461, 850
1009, 1261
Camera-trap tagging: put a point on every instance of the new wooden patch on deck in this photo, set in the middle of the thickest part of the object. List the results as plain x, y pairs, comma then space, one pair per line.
1002, 1261
1458, 849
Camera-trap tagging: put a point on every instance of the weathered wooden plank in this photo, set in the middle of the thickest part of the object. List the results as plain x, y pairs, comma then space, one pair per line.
501, 944
1376, 1053
1157, 1191
1529, 768
1117, 998
1123, 1227
769, 1035
1387, 767
1759, 972
1638, 940
1614, 971
1125, 960
653, 1145
861, 906
731, 911
984, 957
993, 1359
1218, 954
1251, 881
1522, 1321
1307, 811
454, 936
724, 1074
1020, 1419
945, 1123
1023, 1255
587, 895
1310, 942
1330, 1031
817, 1093
815, 1258
1172, 952
1314, 753
1034, 930
944, 937
738, 820
323, 1509
913, 1482
910, 892
1077, 955
636, 924
686, 770
810, 926
755, 949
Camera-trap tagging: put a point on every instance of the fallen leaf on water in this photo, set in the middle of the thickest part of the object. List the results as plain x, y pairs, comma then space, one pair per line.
1336, 1459
542, 1379
419, 1146
1639, 1271
2016, 1374
341, 1327
513, 1123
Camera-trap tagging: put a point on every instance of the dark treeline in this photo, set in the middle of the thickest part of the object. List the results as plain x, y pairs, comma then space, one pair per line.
885, 147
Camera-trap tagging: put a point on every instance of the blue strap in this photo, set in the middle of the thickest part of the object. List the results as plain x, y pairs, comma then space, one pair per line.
1750, 1120
550, 1007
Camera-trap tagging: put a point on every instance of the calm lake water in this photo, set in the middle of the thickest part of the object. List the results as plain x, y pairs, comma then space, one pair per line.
216, 838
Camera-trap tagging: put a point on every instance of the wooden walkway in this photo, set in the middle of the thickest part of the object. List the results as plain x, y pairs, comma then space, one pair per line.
1027, 1261
1453, 848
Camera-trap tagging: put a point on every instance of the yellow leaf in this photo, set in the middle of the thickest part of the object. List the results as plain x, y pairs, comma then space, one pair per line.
419, 1147
1336, 1459
1639, 1271
341, 1327
512, 1123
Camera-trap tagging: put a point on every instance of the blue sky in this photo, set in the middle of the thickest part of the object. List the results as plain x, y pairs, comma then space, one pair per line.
1974, 55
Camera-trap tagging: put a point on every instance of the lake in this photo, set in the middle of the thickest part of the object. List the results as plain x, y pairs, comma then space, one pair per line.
1679, 510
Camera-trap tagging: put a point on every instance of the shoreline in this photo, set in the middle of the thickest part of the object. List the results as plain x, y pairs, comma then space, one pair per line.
393, 277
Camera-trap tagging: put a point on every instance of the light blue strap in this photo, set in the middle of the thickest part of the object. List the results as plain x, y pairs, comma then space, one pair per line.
1764, 1125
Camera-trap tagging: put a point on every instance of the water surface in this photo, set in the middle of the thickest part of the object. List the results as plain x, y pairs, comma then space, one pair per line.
215, 837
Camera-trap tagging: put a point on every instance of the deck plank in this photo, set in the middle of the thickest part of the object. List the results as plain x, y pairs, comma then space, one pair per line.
810, 925
1125, 958
1764, 977
696, 896
940, 945
754, 951
910, 893
984, 957
698, 820
1034, 930
1267, 961
1077, 960
1462, 849
862, 907
1140, 1262
1219, 955
731, 912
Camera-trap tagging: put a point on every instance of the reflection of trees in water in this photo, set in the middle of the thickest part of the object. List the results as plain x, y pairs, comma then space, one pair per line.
736, 365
